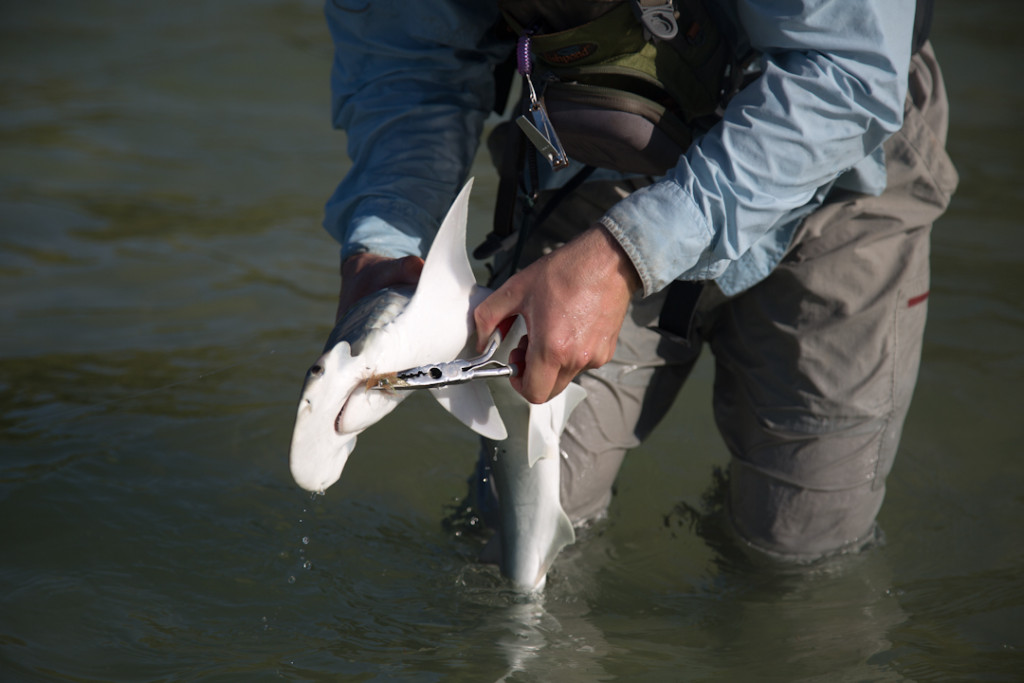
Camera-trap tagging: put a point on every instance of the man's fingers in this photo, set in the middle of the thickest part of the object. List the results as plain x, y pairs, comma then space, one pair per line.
488, 315
391, 272
408, 270
517, 358
364, 274
543, 376
573, 301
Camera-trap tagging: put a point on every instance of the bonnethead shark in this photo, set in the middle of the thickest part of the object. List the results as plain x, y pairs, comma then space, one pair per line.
399, 328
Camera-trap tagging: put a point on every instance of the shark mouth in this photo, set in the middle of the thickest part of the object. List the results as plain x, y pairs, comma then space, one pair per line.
337, 419
364, 406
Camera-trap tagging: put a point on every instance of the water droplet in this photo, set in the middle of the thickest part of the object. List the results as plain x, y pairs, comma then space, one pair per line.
307, 565
291, 579
305, 540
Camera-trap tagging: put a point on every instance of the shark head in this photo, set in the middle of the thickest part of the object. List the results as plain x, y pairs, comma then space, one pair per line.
334, 408
324, 450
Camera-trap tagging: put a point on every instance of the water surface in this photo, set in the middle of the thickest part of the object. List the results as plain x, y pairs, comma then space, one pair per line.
165, 283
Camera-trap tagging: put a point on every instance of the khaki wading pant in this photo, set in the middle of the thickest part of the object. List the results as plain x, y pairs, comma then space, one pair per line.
814, 366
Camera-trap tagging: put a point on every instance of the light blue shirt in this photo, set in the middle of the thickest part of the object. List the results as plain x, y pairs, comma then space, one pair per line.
412, 86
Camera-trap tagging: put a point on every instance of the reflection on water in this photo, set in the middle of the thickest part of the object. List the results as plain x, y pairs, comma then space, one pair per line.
525, 636
164, 285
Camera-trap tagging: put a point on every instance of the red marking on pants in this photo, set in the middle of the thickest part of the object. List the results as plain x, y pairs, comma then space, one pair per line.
915, 300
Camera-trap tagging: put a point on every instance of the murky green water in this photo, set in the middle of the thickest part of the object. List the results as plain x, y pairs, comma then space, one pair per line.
165, 283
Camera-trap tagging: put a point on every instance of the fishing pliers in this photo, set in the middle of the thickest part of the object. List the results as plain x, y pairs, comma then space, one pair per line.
442, 374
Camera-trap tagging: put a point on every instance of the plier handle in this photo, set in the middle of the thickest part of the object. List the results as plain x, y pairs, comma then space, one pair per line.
442, 374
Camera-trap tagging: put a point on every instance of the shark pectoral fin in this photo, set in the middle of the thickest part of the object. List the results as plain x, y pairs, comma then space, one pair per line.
471, 404
547, 422
573, 395
541, 439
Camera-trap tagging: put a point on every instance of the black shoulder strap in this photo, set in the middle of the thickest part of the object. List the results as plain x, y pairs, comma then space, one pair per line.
922, 23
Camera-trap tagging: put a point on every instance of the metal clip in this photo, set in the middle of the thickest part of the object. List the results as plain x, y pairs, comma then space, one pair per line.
658, 18
541, 132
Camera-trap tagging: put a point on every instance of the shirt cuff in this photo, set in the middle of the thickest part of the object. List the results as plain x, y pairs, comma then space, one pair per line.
664, 234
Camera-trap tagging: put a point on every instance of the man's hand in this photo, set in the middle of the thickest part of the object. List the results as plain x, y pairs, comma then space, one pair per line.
574, 301
366, 273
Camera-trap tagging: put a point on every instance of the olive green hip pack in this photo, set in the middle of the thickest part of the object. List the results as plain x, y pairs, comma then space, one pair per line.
620, 99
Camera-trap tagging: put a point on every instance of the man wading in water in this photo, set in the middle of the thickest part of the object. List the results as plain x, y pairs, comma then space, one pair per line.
771, 196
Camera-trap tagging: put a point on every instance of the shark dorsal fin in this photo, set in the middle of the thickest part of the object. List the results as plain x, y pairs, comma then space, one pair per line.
447, 274
447, 282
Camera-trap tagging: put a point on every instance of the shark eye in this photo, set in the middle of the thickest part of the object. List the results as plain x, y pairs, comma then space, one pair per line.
315, 371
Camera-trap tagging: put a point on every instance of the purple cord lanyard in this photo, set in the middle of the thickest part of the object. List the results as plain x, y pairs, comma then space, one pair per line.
535, 123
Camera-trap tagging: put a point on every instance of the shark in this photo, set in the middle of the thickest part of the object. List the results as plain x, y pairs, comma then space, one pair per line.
405, 327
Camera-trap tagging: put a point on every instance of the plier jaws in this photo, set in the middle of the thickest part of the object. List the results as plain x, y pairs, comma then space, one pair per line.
453, 372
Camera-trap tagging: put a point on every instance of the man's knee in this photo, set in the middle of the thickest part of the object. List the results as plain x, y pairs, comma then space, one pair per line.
795, 523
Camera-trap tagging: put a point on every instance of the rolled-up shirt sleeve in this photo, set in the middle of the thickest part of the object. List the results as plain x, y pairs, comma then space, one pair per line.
831, 90
411, 85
